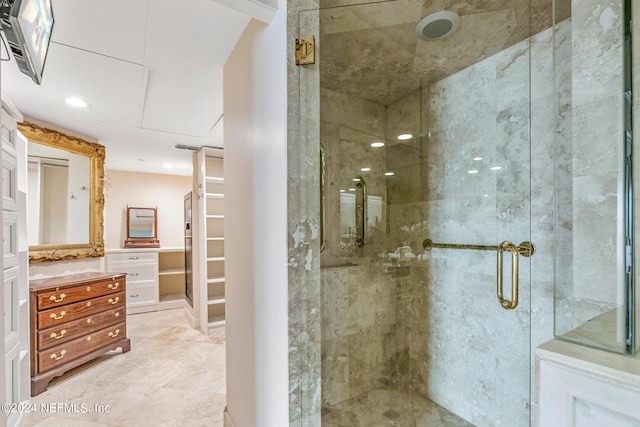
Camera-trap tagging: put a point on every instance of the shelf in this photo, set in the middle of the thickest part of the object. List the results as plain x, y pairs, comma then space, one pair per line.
171, 271
170, 301
215, 280
168, 249
216, 321
215, 239
215, 179
215, 196
216, 300
215, 216
171, 297
215, 258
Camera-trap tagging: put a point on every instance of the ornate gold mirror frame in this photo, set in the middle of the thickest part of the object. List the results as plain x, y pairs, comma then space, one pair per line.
96, 153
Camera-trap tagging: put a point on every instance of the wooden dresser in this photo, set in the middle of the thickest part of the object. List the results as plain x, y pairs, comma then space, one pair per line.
75, 319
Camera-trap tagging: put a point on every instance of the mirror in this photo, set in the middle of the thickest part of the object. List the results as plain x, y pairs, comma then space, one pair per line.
142, 228
66, 195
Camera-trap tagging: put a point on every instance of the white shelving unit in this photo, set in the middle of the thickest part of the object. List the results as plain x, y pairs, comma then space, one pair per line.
15, 265
209, 299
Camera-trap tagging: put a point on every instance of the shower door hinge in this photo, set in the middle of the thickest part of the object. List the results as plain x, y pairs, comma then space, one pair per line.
306, 50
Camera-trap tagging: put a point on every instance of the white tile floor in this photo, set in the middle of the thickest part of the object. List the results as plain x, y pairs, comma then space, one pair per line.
173, 376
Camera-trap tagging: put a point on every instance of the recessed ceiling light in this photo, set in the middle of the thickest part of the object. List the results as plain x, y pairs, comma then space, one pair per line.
496, 168
404, 136
365, 169
352, 189
377, 144
76, 102
342, 191
167, 165
477, 158
389, 173
473, 171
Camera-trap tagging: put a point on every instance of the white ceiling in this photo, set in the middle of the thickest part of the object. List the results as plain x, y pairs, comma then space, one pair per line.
151, 71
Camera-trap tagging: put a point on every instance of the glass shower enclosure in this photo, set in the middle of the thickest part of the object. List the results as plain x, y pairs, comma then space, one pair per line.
460, 177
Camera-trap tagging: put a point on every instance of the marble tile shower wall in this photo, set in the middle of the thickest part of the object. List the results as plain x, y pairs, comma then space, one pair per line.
303, 223
362, 343
458, 333
597, 129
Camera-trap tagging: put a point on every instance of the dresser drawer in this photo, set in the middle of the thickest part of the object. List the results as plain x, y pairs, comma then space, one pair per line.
60, 315
70, 295
133, 258
73, 349
76, 328
142, 295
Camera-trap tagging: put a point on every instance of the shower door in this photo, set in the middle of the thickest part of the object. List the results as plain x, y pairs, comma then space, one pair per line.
425, 200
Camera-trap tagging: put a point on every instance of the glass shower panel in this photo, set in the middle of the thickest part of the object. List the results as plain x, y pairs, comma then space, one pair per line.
592, 209
424, 139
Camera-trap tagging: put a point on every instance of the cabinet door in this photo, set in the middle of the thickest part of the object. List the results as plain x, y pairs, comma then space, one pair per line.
9, 182
10, 238
11, 314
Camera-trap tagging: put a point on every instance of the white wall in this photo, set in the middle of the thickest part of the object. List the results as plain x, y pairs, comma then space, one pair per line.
255, 129
135, 189
145, 190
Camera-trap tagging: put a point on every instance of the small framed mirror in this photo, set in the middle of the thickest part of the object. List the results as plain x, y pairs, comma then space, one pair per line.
142, 228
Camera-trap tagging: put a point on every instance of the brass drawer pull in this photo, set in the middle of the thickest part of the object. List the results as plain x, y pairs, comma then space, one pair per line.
62, 353
57, 337
133, 257
112, 286
54, 299
56, 317
114, 300
114, 334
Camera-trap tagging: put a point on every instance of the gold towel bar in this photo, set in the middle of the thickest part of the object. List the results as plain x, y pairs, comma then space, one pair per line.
526, 249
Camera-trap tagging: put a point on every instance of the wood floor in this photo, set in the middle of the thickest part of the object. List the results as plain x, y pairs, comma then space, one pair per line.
173, 376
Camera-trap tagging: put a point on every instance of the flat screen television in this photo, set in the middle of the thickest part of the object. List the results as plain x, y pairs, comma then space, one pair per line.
27, 25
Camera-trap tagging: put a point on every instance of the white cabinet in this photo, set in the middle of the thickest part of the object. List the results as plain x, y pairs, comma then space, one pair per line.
141, 268
155, 277
208, 240
582, 387
15, 263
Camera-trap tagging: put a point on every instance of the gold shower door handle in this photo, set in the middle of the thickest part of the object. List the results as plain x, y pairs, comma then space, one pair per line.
525, 249
505, 303
361, 211
323, 202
